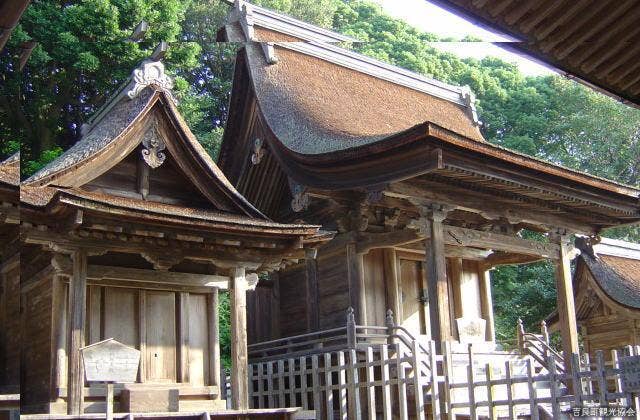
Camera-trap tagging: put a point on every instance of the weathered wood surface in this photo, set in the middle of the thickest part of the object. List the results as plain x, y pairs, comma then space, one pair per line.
565, 297
77, 315
437, 283
110, 361
239, 357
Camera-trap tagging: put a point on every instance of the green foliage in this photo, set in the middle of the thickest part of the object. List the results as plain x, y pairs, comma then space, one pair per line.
81, 57
46, 156
522, 291
224, 315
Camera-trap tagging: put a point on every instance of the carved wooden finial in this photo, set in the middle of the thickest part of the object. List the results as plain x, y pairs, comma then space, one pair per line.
351, 317
389, 319
150, 73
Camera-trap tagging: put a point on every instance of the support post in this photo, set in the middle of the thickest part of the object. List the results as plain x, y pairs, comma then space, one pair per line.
391, 279
313, 308
356, 283
214, 339
436, 269
77, 307
486, 304
566, 304
239, 359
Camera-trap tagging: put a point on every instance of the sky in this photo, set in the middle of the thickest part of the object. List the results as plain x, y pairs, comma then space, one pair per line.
430, 18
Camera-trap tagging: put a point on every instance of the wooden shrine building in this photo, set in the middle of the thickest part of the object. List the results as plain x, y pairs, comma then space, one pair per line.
9, 285
606, 284
130, 234
396, 164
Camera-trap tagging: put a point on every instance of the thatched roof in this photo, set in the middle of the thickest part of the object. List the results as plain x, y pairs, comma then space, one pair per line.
10, 170
314, 105
615, 267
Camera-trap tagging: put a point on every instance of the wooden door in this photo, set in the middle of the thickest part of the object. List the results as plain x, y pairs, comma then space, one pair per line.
160, 334
412, 286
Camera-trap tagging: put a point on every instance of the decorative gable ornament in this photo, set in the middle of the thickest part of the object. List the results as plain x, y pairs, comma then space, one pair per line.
150, 73
152, 147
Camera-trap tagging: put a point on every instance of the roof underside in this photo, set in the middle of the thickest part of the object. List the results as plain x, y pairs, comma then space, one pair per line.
594, 40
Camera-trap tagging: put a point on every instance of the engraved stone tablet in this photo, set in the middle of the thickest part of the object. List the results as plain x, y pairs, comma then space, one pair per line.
471, 330
630, 367
110, 361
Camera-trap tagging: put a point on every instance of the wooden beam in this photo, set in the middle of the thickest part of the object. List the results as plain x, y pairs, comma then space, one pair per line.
566, 304
139, 275
486, 302
183, 337
239, 358
368, 241
390, 261
213, 304
78, 292
355, 277
483, 202
436, 271
313, 304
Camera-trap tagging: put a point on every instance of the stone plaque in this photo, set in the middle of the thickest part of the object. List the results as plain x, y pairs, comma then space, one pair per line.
110, 361
471, 330
630, 367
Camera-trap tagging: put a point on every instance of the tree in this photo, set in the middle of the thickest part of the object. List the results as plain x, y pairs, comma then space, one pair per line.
82, 56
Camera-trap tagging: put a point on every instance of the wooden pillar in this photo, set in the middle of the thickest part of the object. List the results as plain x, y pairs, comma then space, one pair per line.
239, 357
566, 305
214, 339
394, 303
486, 304
183, 337
313, 304
355, 277
77, 307
436, 270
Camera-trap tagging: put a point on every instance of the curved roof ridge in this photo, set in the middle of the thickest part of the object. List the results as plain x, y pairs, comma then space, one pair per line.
249, 14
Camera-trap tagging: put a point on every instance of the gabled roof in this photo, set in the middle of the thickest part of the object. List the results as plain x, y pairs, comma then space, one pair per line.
121, 125
594, 42
615, 268
336, 120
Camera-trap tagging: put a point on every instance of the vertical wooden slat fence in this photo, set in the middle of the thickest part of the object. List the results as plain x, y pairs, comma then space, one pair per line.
401, 377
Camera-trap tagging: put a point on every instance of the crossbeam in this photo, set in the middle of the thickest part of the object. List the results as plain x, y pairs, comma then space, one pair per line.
461, 237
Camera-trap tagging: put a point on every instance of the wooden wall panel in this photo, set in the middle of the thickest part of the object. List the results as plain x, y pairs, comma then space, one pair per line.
120, 320
10, 323
333, 288
36, 347
375, 290
262, 312
160, 357
411, 286
198, 339
470, 290
293, 310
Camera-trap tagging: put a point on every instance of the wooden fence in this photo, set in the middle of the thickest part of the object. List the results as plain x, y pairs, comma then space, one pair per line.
390, 381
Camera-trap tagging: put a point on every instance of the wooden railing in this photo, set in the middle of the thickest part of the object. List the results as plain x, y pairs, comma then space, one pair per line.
538, 346
394, 376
